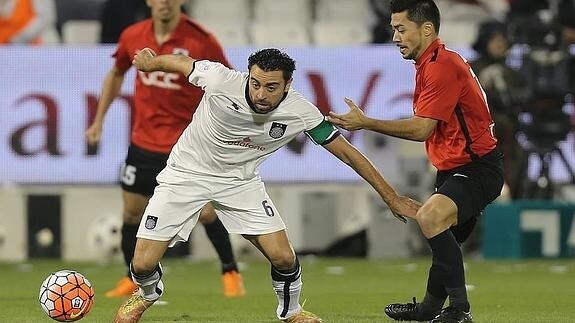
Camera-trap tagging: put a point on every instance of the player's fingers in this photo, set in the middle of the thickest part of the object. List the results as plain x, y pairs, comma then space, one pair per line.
334, 116
350, 103
417, 203
336, 122
149, 52
400, 217
91, 140
94, 138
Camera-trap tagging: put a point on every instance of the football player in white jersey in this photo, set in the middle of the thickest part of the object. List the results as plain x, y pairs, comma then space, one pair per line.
241, 120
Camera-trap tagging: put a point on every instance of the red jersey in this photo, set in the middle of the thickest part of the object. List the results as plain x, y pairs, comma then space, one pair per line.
447, 90
164, 102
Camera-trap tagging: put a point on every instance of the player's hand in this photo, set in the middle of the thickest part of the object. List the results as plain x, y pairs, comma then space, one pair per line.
143, 60
353, 120
404, 207
94, 134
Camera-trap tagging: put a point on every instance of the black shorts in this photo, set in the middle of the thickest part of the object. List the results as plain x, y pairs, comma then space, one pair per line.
140, 170
472, 187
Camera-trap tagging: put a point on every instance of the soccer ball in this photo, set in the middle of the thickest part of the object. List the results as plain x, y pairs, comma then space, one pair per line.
105, 237
66, 296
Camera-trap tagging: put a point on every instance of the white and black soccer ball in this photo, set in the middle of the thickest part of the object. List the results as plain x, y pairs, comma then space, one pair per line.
105, 236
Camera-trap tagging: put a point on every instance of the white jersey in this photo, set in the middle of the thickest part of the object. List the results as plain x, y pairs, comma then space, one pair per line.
227, 138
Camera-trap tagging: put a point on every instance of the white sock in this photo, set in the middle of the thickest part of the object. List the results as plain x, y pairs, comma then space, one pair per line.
151, 286
288, 289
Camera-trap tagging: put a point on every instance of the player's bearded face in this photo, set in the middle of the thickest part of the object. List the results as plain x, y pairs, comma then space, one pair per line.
407, 35
266, 89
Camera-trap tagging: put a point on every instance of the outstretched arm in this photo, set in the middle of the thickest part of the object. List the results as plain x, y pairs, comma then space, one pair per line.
401, 206
147, 61
415, 128
110, 90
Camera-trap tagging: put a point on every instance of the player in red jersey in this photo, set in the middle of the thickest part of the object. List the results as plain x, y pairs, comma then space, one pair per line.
164, 105
452, 117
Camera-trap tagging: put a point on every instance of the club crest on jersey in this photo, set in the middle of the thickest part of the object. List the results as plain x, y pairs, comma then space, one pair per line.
277, 130
151, 222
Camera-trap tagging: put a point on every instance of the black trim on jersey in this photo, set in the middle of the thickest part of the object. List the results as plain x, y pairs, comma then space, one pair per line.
251, 104
335, 135
435, 53
465, 130
193, 68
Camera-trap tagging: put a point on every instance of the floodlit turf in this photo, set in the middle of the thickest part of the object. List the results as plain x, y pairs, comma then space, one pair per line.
339, 290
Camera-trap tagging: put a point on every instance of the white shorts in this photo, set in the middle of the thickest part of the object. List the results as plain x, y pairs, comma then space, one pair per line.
244, 207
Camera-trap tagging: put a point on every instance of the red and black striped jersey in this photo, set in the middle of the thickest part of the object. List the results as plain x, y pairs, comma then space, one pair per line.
446, 89
165, 102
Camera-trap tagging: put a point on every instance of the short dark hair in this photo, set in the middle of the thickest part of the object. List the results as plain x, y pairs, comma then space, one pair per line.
418, 11
273, 59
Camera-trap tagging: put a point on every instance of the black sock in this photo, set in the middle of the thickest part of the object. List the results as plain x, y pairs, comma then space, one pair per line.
221, 241
447, 268
435, 294
129, 243
431, 304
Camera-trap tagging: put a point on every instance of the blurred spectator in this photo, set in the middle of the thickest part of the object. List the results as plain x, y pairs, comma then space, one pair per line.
497, 8
119, 14
381, 29
566, 21
526, 7
472, 11
24, 21
502, 86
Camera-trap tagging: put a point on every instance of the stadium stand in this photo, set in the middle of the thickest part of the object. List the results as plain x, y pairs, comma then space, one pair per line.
273, 34
227, 19
226, 11
229, 34
249, 22
77, 10
303, 22
293, 11
358, 11
460, 21
296, 14
327, 33
81, 32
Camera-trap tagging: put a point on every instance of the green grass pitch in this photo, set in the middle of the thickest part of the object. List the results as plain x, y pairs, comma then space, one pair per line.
339, 290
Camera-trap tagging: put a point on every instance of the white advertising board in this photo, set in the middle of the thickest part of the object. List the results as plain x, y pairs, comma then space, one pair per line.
48, 93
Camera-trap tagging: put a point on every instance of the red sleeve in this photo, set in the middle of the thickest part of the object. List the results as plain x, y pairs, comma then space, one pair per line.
123, 57
439, 93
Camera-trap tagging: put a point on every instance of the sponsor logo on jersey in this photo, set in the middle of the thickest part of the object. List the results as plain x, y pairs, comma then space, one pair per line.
181, 51
245, 142
234, 106
151, 222
277, 130
160, 79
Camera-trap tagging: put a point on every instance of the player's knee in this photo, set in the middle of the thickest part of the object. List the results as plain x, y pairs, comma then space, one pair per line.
431, 220
142, 266
284, 260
